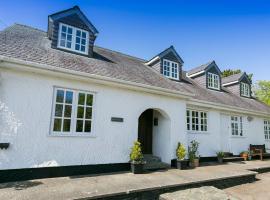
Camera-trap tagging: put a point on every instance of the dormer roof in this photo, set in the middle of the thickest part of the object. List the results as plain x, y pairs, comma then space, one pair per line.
171, 49
72, 11
235, 78
202, 68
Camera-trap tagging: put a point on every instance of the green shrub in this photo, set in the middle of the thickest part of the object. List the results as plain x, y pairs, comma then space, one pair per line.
220, 154
180, 151
193, 150
136, 155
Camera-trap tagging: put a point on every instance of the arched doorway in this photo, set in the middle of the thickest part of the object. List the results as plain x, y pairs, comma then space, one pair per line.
154, 133
145, 131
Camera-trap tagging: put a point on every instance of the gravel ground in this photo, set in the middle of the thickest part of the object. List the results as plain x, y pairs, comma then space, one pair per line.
259, 190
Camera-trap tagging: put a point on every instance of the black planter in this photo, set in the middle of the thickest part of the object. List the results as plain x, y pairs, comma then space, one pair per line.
4, 145
137, 168
182, 164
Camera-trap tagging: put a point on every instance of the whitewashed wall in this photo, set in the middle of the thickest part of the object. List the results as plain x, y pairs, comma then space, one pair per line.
25, 112
209, 141
253, 133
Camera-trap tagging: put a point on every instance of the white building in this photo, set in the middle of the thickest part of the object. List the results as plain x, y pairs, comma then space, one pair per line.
66, 102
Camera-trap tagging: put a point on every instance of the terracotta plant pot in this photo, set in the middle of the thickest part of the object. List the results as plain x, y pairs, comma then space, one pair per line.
244, 155
194, 163
137, 168
182, 164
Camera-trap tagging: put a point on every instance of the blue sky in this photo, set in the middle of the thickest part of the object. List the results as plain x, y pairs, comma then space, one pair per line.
234, 33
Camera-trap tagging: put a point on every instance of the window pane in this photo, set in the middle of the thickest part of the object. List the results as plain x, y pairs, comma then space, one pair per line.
63, 36
60, 96
87, 127
58, 110
83, 34
69, 30
88, 114
78, 33
69, 97
83, 48
89, 101
57, 125
80, 112
83, 41
77, 47
64, 29
81, 99
68, 110
69, 37
66, 125
68, 44
78, 40
79, 126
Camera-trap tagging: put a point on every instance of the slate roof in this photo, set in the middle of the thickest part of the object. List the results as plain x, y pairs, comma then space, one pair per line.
232, 78
30, 44
200, 68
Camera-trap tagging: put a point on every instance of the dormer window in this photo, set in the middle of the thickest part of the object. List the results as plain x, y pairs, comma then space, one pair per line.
245, 90
73, 39
213, 81
170, 69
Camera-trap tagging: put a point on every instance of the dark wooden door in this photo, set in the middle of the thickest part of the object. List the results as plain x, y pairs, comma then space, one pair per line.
145, 129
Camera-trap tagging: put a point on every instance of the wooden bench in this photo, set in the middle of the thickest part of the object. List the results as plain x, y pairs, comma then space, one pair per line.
258, 150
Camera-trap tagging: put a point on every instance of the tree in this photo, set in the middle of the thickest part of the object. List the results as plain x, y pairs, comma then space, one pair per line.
262, 91
229, 72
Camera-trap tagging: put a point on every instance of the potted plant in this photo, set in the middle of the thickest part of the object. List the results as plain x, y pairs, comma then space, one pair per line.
220, 156
136, 158
244, 154
181, 154
193, 154
250, 152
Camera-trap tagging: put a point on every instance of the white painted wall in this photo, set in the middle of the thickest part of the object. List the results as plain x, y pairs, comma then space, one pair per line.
25, 112
208, 141
162, 137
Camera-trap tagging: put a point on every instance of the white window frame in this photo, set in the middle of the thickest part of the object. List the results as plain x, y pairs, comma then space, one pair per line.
72, 132
171, 70
267, 129
237, 126
73, 39
202, 121
245, 89
213, 81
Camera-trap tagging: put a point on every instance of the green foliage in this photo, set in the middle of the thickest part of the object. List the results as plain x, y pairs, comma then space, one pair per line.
136, 155
229, 72
180, 151
220, 154
262, 91
193, 150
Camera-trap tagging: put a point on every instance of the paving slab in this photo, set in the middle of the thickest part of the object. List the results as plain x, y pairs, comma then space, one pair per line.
79, 187
201, 193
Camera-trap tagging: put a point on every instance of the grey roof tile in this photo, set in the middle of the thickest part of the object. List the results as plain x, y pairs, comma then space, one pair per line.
199, 68
232, 78
29, 44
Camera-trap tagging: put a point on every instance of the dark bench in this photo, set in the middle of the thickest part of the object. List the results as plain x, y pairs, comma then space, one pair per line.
258, 150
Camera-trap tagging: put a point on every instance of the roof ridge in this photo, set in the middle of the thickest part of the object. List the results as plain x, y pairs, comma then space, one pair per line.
124, 54
27, 26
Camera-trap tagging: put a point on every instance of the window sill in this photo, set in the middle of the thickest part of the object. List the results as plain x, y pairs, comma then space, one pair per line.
71, 135
198, 132
238, 137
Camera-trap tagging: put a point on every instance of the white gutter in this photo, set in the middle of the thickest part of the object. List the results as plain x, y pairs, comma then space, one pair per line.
151, 61
230, 83
196, 74
12, 63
